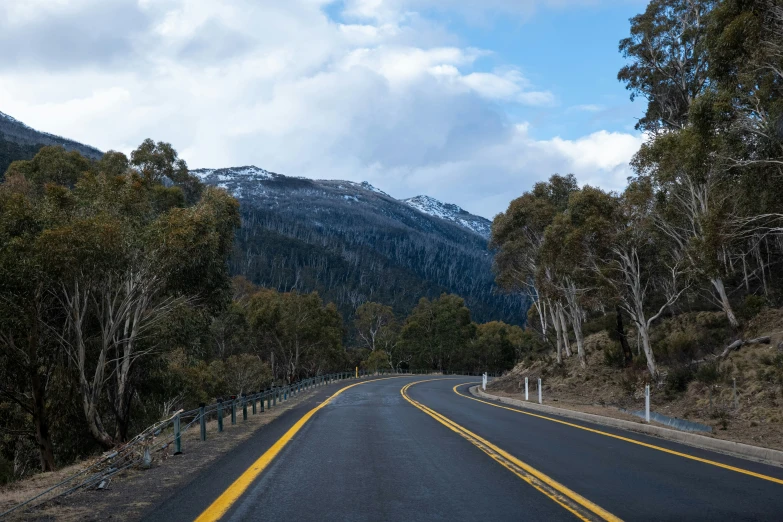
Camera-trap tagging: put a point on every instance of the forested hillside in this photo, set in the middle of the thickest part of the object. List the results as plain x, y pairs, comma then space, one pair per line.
14, 131
353, 243
699, 227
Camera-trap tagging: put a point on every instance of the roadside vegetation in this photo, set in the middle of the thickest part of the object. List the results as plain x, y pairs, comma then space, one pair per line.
676, 279
117, 308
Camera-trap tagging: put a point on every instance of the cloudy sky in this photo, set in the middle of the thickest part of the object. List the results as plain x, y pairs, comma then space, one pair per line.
468, 104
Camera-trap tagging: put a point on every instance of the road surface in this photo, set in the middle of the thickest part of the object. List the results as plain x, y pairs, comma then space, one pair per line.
422, 448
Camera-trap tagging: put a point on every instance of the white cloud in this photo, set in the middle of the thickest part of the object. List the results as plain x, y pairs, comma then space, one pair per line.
587, 108
394, 99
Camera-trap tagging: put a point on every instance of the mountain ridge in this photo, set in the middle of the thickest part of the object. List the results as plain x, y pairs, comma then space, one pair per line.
422, 203
352, 243
17, 132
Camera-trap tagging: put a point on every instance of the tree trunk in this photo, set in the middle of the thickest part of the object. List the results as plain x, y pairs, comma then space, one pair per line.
564, 330
558, 334
717, 283
627, 355
42, 437
38, 392
645, 334
580, 344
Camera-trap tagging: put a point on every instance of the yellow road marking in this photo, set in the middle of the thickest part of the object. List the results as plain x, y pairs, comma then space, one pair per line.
221, 505
626, 439
570, 500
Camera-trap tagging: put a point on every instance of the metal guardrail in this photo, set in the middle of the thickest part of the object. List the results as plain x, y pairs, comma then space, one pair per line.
161, 435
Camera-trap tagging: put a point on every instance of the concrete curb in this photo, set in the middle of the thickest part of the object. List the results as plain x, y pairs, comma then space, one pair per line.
736, 449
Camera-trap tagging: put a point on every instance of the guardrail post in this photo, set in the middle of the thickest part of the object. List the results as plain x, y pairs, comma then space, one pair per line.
233, 409
177, 437
285, 393
202, 420
647, 403
539, 391
220, 415
244, 407
274, 397
526, 394
261, 396
254, 397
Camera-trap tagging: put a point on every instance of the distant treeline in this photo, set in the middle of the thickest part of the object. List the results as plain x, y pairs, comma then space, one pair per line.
350, 257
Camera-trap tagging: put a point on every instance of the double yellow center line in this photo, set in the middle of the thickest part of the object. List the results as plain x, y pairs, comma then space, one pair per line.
570, 500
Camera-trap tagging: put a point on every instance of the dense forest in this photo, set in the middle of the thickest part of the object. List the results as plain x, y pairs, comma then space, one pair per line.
11, 151
353, 244
700, 224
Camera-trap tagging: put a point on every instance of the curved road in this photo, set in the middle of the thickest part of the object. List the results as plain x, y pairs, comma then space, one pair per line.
413, 448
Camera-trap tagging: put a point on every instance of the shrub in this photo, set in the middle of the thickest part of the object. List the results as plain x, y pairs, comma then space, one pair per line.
709, 373
613, 356
752, 306
602, 323
678, 379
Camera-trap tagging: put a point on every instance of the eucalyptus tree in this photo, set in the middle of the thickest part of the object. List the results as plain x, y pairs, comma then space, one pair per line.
670, 67
627, 253
122, 251
438, 332
304, 335
518, 237
378, 330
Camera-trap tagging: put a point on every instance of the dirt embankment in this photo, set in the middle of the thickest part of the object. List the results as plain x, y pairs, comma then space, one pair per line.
695, 384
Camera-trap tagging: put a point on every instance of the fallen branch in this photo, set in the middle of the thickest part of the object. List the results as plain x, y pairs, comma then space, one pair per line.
739, 343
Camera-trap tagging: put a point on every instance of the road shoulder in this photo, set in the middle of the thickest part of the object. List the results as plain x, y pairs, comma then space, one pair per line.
735, 449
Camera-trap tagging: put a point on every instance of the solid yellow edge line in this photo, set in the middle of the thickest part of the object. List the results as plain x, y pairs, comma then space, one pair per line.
596, 509
221, 505
626, 439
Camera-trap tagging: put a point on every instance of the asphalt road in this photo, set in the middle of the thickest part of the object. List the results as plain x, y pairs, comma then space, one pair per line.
371, 454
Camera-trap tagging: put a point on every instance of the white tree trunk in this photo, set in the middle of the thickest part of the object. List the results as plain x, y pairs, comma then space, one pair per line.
717, 283
580, 344
644, 331
558, 333
564, 329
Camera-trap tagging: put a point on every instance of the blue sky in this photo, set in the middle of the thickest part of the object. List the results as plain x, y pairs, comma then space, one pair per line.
467, 102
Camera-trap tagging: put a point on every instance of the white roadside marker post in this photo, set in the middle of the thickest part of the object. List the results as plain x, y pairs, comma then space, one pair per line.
484, 381
647, 403
539, 391
526, 395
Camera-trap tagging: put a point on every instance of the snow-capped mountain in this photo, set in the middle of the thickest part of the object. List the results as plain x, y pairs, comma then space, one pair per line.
351, 242
451, 212
247, 182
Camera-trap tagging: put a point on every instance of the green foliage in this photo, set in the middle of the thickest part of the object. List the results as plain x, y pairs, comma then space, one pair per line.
304, 336
752, 306
437, 332
375, 361
678, 379
11, 151
86, 249
710, 373
613, 356
602, 323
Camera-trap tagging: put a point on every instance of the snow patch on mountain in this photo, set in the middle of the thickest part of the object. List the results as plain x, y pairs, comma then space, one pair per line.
249, 182
450, 212
234, 174
6, 117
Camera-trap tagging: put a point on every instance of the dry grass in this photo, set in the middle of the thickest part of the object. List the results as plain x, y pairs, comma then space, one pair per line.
600, 389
